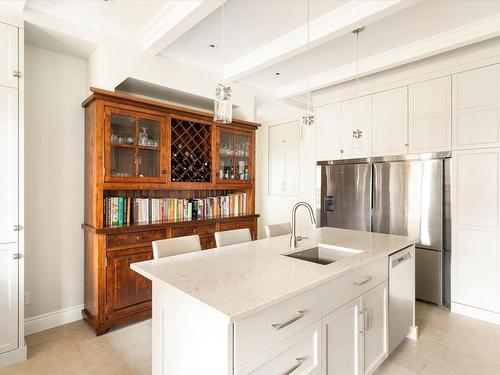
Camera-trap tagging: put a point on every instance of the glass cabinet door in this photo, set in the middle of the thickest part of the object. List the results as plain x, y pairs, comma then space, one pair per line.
234, 156
135, 146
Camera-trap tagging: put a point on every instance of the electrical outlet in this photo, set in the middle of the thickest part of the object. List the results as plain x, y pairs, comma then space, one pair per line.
27, 298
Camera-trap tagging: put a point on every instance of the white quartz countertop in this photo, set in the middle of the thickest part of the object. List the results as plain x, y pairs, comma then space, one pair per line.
241, 279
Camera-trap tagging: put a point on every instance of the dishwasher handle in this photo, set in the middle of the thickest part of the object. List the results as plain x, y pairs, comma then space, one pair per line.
396, 262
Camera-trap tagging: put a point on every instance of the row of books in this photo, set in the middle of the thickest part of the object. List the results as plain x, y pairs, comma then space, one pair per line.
120, 211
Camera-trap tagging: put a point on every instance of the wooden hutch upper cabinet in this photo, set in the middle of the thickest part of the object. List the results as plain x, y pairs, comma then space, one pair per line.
135, 146
138, 149
235, 156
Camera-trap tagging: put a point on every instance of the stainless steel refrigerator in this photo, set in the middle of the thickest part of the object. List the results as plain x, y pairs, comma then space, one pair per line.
407, 195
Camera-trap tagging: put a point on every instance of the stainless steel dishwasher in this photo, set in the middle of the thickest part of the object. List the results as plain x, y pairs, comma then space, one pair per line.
401, 295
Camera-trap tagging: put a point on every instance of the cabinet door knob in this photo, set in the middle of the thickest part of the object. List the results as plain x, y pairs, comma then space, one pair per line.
139, 237
163, 171
16, 256
17, 228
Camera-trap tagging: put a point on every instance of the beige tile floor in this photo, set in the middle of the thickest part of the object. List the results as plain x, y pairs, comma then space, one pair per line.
448, 344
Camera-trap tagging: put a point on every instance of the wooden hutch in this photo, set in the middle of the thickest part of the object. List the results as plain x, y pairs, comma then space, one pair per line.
140, 148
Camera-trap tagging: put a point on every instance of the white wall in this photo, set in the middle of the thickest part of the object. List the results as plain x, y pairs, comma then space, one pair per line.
109, 65
54, 152
278, 209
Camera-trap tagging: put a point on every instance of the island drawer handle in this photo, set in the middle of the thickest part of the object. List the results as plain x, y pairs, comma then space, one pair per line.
278, 326
359, 283
299, 363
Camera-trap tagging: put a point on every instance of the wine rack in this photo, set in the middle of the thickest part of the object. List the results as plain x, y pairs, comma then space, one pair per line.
190, 151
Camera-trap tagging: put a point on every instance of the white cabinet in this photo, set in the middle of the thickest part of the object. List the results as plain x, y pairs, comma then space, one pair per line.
357, 127
355, 336
284, 159
9, 268
375, 340
8, 55
12, 348
476, 229
342, 339
329, 132
430, 116
476, 108
390, 122
299, 354
9, 164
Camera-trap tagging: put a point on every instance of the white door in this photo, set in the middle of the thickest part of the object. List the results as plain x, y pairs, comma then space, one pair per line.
8, 55
357, 127
9, 164
476, 228
284, 159
9, 268
476, 108
343, 340
329, 132
292, 166
390, 122
277, 171
375, 306
430, 116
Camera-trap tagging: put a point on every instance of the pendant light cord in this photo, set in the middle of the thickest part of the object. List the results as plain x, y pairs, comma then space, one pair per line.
223, 43
308, 61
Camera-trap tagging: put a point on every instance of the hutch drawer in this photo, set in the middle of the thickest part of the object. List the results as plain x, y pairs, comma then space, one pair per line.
237, 225
190, 230
113, 240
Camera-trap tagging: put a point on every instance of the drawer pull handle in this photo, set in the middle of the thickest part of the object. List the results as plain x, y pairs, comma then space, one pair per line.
359, 283
278, 326
299, 363
139, 238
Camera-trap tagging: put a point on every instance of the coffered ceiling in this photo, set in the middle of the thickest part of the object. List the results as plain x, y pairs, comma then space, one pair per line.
266, 37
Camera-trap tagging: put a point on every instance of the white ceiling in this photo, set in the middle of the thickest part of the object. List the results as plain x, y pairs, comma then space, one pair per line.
248, 26
263, 37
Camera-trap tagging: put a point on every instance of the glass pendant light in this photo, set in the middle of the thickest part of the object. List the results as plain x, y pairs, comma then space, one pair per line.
308, 117
223, 106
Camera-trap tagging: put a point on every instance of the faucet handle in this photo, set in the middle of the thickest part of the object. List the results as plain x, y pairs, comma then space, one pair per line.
300, 238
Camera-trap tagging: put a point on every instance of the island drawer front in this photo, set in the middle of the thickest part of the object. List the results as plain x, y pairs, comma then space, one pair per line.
342, 290
261, 331
113, 240
190, 230
282, 359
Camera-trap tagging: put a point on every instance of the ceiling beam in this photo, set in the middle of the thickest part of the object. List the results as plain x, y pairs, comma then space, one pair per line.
329, 26
174, 20
473, 32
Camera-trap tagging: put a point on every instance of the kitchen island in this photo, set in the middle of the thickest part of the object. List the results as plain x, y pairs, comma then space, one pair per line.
250, 309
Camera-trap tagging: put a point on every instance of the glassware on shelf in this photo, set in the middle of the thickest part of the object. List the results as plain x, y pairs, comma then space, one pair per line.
130, 140
143, 137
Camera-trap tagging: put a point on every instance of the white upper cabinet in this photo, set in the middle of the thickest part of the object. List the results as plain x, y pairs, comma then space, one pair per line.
329, 132
357, 127
476, 228
9, 164
476, 108
390, 122
430, 116
8, 55
9, 269
284, 159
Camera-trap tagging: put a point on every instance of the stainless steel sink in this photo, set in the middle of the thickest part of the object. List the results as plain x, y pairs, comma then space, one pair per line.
324, 254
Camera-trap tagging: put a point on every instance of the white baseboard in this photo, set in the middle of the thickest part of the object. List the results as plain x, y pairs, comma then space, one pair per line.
14, 356
413, 334
474, 312
52, 319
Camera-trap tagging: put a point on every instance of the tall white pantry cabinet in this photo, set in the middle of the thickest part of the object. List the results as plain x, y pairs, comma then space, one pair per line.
12, 345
